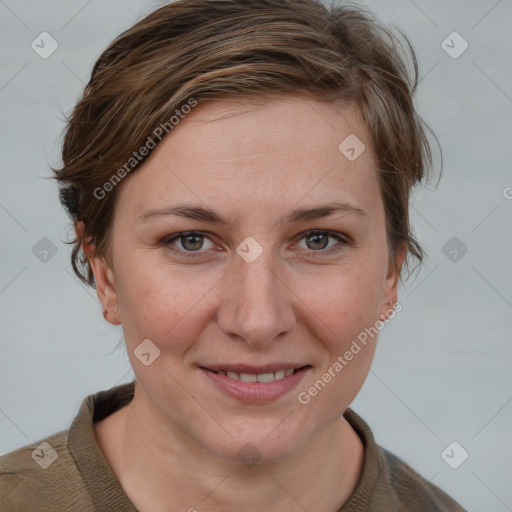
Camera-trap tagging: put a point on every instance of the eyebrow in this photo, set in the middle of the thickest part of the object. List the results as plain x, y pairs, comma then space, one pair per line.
298, 215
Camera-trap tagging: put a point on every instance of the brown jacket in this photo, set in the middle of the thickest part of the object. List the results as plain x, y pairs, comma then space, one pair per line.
69, 472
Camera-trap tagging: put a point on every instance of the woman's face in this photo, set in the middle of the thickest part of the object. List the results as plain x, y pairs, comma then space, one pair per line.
252, 291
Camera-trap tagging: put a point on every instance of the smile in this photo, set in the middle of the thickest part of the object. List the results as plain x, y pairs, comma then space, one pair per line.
253, 385
258, 377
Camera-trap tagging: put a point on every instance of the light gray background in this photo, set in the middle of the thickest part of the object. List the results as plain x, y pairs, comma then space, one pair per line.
442, 370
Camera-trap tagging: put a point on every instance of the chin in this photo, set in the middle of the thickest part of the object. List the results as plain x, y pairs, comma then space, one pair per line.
259, 444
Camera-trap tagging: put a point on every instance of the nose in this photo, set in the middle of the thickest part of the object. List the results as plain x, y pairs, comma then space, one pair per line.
257, 304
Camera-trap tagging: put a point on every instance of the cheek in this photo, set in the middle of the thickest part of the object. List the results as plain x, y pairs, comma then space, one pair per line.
345, 300
156, 301
343, 312
344, 320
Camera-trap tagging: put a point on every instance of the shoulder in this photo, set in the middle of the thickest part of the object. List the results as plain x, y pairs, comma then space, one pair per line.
389, 483
40, 476
411, 489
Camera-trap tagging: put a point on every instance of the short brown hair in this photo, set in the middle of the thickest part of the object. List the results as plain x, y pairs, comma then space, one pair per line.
208, 49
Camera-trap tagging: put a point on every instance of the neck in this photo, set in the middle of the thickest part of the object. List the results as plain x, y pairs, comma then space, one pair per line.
161, 468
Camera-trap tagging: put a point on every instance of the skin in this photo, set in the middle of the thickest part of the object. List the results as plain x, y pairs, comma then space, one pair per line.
175, 446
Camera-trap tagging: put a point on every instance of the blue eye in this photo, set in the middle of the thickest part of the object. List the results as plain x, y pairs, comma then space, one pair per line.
193, 241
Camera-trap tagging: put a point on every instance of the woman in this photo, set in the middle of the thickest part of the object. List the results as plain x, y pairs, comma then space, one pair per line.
238, 174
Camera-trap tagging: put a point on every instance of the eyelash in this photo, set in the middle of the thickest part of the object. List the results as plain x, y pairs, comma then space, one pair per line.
196, 254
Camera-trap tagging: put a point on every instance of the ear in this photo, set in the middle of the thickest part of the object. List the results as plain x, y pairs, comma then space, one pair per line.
390, 297
105, 288
103, 277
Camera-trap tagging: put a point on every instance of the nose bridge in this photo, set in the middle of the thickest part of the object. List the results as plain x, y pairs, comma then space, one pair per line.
257, 307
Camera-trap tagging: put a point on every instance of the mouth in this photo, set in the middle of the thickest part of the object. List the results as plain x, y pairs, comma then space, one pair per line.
256, 384
247, 374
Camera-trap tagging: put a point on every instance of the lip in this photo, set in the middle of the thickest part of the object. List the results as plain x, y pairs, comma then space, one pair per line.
255, 392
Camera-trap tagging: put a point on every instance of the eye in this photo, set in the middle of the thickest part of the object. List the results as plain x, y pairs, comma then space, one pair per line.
317, 241
191, 242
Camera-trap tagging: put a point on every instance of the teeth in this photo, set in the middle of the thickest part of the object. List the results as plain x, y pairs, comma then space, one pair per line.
260, 377
265, 377
248, 377
279, 374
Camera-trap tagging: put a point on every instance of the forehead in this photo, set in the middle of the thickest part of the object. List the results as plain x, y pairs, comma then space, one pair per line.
290, 125
265, 153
